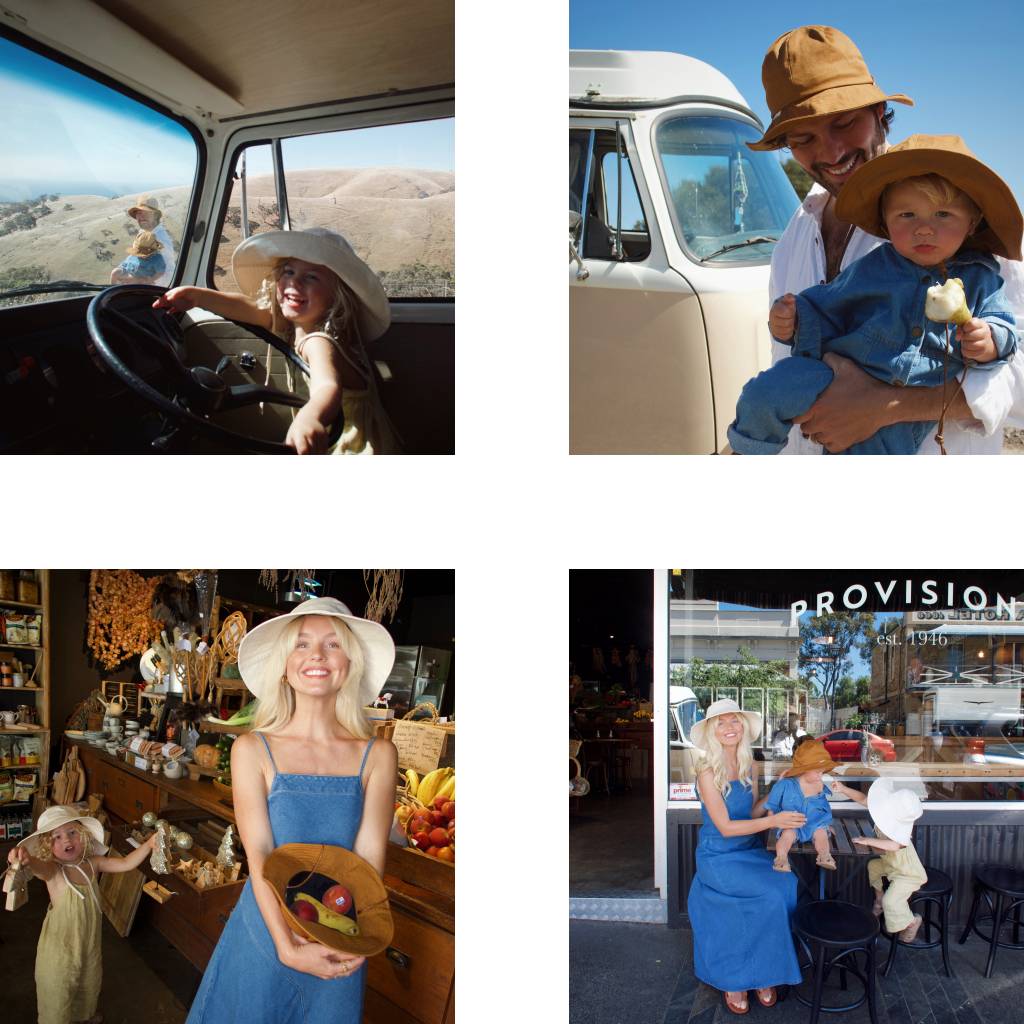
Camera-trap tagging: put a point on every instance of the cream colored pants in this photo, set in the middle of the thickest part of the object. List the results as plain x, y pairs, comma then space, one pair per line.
896, 901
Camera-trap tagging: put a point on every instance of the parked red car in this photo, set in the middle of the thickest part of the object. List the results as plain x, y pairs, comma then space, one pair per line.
849, 745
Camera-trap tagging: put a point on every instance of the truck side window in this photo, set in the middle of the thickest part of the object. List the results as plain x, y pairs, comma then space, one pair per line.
600, 206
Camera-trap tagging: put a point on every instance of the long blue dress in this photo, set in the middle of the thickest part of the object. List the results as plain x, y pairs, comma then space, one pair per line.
739, 908
245, 983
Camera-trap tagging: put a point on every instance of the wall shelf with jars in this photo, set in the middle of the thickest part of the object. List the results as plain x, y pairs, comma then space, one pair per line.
25, 731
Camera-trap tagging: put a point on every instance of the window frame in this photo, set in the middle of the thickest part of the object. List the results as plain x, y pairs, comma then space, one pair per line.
382, 114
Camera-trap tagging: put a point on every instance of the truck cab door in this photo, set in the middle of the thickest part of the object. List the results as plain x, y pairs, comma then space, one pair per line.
639, 373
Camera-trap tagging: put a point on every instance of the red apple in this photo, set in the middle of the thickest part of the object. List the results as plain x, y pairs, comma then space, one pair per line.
439, 802
421, 839
439, 837
338, 898
304, 911
449, 810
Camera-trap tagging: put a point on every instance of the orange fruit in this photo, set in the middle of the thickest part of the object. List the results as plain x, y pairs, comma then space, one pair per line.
434, 851
446, 853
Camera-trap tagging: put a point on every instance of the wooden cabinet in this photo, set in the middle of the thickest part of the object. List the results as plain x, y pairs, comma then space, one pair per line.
126, 796
413, 981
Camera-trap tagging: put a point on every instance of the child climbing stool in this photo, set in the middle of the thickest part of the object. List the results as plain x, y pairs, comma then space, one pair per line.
893, 812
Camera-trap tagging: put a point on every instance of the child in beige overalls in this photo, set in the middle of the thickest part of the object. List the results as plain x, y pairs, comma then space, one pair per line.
893, 812
68, 857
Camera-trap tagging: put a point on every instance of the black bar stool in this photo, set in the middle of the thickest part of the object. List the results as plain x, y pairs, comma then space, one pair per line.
1007, 885
832, 933
938, 890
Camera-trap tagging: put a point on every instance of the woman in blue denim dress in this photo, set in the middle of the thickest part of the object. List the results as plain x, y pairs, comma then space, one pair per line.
738, 907
308, 773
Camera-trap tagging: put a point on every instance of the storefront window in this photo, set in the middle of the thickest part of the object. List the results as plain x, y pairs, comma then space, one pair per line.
893, 684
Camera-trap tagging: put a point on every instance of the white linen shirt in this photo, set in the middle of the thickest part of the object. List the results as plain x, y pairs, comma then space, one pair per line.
996, 397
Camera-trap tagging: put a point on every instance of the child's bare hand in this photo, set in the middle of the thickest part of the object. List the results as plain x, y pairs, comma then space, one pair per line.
307, 435
177, 300
782, 318
18, 855
976, 342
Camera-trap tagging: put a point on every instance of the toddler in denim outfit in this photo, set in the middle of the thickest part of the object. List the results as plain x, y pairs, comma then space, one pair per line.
944, 214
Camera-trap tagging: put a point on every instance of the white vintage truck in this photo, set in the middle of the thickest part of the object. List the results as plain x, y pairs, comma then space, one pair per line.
672, 225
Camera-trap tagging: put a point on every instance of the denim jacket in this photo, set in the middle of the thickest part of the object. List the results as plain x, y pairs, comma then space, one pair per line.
873, 313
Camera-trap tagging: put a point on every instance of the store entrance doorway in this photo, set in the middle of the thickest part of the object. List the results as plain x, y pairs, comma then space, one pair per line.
611, 736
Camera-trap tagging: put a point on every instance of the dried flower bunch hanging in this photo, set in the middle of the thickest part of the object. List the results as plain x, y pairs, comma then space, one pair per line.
385, 592
121, 622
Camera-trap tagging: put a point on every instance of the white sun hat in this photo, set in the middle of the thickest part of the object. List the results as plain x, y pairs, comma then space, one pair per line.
254, 259
377, 646
894, 810
62, 814
725, 706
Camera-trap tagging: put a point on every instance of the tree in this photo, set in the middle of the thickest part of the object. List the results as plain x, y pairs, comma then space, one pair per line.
799, 178
827, 664
852, 693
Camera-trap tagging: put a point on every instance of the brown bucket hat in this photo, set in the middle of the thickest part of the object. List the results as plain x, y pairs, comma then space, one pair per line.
813, 71
373, 914
810, 756
1002, 225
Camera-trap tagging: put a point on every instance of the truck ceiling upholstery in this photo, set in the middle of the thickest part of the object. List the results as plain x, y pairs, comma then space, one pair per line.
249, 57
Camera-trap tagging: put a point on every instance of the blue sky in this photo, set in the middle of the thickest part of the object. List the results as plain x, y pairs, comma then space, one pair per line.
960, 63
67, 134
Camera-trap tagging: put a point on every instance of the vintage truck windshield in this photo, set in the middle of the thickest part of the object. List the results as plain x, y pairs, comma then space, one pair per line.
77, 156
728, 203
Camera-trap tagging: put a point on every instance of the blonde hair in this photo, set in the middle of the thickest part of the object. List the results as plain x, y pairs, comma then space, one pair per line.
713, 758
341, 322
938, 190
277, 700
44, 842
145, 240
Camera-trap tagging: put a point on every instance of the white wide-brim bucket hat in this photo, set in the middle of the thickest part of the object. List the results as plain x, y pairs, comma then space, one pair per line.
57, 817
894, 810
375, 641
254, 260
725, 706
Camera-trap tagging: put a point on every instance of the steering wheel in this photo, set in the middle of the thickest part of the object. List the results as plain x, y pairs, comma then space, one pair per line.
197, 391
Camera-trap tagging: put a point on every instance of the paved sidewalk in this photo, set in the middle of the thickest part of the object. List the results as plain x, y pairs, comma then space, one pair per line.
643, 974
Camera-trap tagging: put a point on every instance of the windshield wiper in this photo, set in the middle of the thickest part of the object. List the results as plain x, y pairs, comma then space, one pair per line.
738, 245
54, 286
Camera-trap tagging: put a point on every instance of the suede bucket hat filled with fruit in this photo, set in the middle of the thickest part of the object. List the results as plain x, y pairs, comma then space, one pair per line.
377, 646
810, 756
813, 71
725, 706
287, 870
1002, 225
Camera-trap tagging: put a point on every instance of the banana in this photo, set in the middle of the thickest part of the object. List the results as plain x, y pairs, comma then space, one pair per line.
330, 918
431, 783
448, 789
413, 781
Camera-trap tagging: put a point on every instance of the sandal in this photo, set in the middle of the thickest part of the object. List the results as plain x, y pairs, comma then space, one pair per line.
826, 862
771, 1000
781, 865
733, 1007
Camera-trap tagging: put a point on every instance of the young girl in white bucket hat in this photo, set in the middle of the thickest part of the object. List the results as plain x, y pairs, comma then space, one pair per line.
893, 812
309, 772
311, 289
67, 852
